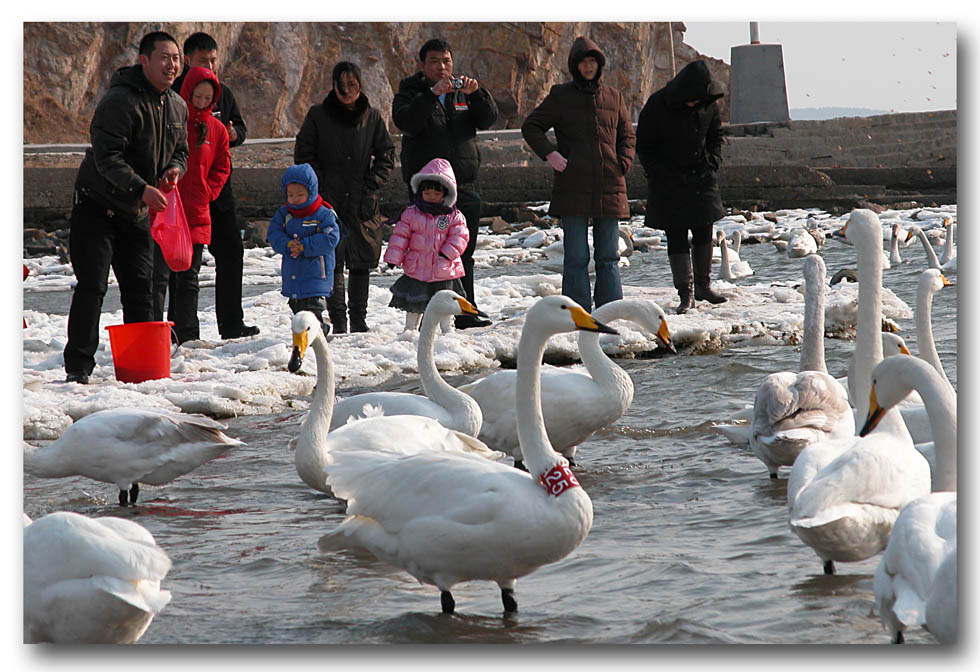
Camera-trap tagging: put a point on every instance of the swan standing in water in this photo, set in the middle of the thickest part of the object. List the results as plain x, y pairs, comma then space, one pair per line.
443, 402
949, 251
129, 446
575, 405
731, 269
450, 517
793, 410
894, 256
90, 580
844, 495
924, 534
400, 434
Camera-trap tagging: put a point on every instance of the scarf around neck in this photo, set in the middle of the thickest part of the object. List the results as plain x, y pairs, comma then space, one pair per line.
309, 209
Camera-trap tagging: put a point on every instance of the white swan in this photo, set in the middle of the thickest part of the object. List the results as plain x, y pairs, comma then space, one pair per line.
731, 269
801, 244
891, 345
924, 534
129, 446
401, 434
949, 250
90, 580
447, 517
894, 256
443, 402
941, 608
574, 404
843, 495
793, 410
933, 260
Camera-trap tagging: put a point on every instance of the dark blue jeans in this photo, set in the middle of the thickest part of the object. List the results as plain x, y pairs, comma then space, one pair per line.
575, 270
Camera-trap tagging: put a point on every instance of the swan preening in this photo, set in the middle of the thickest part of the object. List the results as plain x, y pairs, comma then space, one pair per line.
130, 446
452, 408
90, 580
923, 538
316, 446
448, 517
793, 410
844, 495
575, 405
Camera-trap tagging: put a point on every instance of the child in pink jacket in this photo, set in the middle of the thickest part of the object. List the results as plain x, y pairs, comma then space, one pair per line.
426, 242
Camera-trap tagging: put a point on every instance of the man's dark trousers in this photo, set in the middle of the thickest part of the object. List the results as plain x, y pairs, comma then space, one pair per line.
98, 239
227, 249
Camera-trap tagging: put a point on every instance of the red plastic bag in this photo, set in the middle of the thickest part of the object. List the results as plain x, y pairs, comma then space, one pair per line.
170, 230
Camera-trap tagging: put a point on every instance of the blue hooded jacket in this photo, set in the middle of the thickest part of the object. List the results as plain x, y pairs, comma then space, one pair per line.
310, 273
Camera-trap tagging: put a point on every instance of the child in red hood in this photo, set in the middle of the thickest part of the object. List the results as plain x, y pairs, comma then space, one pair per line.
208, 168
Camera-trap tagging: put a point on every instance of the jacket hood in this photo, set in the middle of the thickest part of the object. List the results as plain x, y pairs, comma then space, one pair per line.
303, 174
195, 76
582, 47
440, 171
693, 82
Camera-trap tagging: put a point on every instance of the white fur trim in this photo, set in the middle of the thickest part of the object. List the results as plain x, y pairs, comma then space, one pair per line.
450, 199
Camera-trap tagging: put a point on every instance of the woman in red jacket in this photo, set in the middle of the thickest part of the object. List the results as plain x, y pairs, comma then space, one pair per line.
208, 168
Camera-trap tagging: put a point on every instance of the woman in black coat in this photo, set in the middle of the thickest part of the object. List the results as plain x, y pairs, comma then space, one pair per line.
348, 145
678, 142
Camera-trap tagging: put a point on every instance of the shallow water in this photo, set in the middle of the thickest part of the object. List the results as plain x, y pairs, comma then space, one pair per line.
689, 545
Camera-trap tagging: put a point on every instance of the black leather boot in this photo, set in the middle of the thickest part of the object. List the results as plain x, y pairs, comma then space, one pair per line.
357, 296
680, 268
701, 256
336, 304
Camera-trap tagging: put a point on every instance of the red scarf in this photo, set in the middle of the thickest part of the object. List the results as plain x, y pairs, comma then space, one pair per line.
309, 209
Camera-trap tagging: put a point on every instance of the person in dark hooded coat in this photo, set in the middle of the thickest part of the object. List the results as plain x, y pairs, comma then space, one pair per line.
678, 142
594, 151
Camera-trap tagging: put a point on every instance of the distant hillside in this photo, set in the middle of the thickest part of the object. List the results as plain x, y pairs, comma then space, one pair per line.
801, 113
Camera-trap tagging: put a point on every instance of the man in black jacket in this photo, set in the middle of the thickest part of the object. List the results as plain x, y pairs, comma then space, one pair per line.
201, 50
678, 141
439, 115
139, 149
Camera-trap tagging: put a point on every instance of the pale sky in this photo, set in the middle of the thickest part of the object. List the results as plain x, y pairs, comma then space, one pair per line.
902, 66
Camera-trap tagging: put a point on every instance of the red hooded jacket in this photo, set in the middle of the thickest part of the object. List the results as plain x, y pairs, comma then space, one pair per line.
208, 163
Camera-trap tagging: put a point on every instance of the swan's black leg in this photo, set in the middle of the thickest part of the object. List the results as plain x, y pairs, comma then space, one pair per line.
519, 464
899, 638
828, 568
571, 462
510, 604
123, 498
448, 603
134, 493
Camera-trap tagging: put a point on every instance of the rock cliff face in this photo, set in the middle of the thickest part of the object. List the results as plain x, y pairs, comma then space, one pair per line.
278, 70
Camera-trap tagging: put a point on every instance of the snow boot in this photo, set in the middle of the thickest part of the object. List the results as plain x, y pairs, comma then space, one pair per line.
358, 299
701, 256
680, 268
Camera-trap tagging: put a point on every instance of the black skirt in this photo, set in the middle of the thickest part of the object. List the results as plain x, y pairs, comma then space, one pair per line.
413, 295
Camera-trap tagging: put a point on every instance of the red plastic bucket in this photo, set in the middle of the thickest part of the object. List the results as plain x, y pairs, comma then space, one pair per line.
140, 350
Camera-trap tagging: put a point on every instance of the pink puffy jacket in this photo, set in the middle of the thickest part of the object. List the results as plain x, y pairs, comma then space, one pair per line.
418, 237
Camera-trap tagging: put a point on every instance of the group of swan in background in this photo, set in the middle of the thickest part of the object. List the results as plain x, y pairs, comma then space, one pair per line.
426, 490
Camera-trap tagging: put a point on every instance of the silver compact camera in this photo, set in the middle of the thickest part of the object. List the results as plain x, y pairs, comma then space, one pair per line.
456, 82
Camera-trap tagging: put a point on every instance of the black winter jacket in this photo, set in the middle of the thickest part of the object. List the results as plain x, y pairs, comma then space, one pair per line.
433, 131
680, 147
353, 156
226, 110
137, 133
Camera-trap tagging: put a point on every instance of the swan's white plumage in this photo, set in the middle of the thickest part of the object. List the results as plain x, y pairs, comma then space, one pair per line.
128, 446
442, 402
400, 434
450, 517
793, 410
574, 404
90, 580
843, 495
924, 534
732, 267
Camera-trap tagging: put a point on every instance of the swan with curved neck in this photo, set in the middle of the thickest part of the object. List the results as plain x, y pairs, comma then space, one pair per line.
129, 446
895, 257
930, 282
924, 534
402, 434
949, 250
575, 405
731, 269
917, 232
843, 495
451, 517
443, 402
793, 410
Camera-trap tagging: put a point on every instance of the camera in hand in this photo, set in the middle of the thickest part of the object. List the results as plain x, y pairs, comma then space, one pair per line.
456, 82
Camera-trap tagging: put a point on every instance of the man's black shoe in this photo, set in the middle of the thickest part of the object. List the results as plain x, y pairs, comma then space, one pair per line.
77, 377
240, 331
468, 321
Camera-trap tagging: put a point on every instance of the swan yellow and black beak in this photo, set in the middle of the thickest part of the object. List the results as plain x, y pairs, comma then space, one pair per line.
663, 335
586, 322
946, 283
300, 343
469, 309
910, 236
875, 414
843, 230
903, 350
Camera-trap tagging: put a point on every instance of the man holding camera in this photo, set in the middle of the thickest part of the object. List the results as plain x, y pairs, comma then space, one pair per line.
439, 115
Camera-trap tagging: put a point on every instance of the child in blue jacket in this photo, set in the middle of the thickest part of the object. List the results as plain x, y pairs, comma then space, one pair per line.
305, 232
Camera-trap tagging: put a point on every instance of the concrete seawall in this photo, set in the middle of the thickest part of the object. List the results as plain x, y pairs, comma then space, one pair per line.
835, 164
